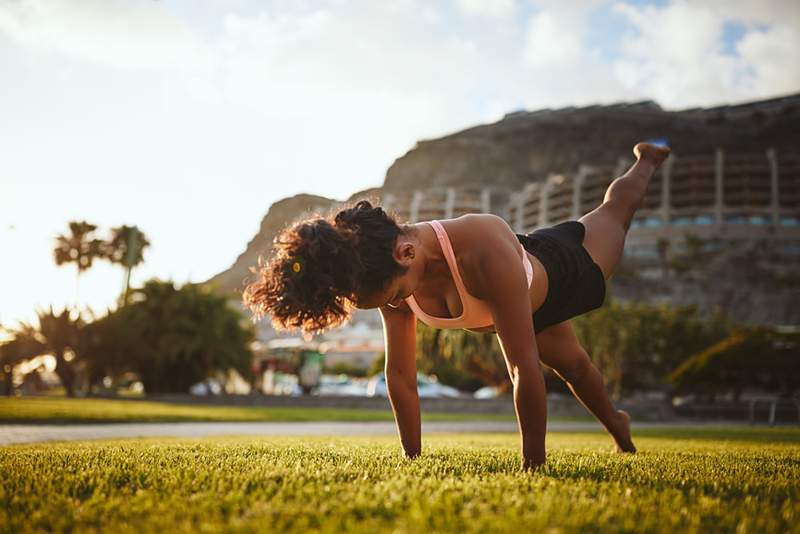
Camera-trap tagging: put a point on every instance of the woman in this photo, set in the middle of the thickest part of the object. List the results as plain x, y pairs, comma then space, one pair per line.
471, 272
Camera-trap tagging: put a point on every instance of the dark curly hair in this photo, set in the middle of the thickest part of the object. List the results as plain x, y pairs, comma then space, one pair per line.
321, 266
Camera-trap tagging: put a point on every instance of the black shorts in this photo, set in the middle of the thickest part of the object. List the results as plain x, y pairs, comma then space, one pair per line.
575, 282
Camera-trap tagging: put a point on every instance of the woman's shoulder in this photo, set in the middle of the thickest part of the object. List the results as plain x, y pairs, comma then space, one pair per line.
474, 222
476, 227
477, 238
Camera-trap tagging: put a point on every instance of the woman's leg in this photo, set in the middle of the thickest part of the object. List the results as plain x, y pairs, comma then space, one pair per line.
560, 349
607, 225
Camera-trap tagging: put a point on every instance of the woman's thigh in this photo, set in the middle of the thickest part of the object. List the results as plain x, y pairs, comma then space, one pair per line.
604, 239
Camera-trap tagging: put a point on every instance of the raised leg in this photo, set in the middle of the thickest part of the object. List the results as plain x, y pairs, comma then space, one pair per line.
607, 225
560, 349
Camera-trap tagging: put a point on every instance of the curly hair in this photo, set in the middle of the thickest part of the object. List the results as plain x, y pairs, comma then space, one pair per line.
321, 266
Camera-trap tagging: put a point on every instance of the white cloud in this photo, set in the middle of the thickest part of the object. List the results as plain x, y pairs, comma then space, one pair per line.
488, 8
122, 34
677, 55
550, 42
773, 57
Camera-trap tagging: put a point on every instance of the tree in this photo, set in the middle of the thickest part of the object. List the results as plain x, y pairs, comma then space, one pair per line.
174, 338
760, 357
79, 247
12, 353
106, 346
460, 358
635, 345
126, 248
56, 334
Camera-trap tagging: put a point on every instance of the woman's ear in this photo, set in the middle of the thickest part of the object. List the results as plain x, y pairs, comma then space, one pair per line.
404, 253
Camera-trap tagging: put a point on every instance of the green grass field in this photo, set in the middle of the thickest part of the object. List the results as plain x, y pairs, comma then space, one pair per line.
742, 481
54, 410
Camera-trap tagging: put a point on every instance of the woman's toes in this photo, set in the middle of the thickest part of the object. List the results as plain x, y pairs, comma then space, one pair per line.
655, 153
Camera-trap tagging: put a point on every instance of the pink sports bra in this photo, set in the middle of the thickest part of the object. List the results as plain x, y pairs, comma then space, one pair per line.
474, 312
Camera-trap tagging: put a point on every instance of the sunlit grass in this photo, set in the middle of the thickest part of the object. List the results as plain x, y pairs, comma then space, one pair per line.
465, 483
61, 410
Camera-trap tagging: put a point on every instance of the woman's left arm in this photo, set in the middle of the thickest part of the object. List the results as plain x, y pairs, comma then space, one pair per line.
502, 283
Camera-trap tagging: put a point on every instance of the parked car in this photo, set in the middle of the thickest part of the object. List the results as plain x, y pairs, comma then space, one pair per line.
341, 385
209, 386
427, 387
487, 392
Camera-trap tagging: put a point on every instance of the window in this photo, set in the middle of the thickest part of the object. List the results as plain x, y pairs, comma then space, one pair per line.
736, 219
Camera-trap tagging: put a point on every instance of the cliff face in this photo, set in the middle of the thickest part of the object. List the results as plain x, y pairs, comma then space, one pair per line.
526, 146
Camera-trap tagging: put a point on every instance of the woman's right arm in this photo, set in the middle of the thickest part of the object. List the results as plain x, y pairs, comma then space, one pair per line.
400, 337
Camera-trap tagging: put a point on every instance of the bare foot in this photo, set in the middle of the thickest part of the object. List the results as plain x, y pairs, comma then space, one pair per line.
623, 434
652, 153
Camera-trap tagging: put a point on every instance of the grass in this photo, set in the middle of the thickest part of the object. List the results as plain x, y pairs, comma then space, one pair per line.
696, 481
60, 410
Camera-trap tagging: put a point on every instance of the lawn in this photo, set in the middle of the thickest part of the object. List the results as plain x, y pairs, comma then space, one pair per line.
743, 481
54, 410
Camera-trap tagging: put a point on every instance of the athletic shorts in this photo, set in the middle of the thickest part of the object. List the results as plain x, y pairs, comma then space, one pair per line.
575, 282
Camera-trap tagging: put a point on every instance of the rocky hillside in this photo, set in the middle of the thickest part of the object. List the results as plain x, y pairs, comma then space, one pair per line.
526, 146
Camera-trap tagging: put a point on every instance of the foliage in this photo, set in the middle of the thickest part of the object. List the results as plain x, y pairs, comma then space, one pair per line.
56, 334
750, 357
79, 246
172, 338
344, 368
633, 345
126, 248
378, 365
636, 345
105, 346
13, 352
467, 483
462, 359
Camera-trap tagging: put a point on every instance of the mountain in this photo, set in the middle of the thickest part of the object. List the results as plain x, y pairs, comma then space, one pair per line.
526, 146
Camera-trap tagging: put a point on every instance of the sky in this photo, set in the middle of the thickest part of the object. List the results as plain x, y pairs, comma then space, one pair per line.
188, 119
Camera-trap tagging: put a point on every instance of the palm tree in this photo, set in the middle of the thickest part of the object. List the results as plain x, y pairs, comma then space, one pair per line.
12, 353
126, 248
57, 334
79, 247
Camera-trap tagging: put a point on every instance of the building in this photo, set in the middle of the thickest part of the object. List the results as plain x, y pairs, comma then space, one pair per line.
721, 197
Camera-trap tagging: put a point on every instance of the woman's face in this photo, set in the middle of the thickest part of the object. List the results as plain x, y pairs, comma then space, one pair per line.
393, 294
401, 287
406, 253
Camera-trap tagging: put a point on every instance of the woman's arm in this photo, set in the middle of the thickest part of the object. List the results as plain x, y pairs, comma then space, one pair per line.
500, 280
400, 336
